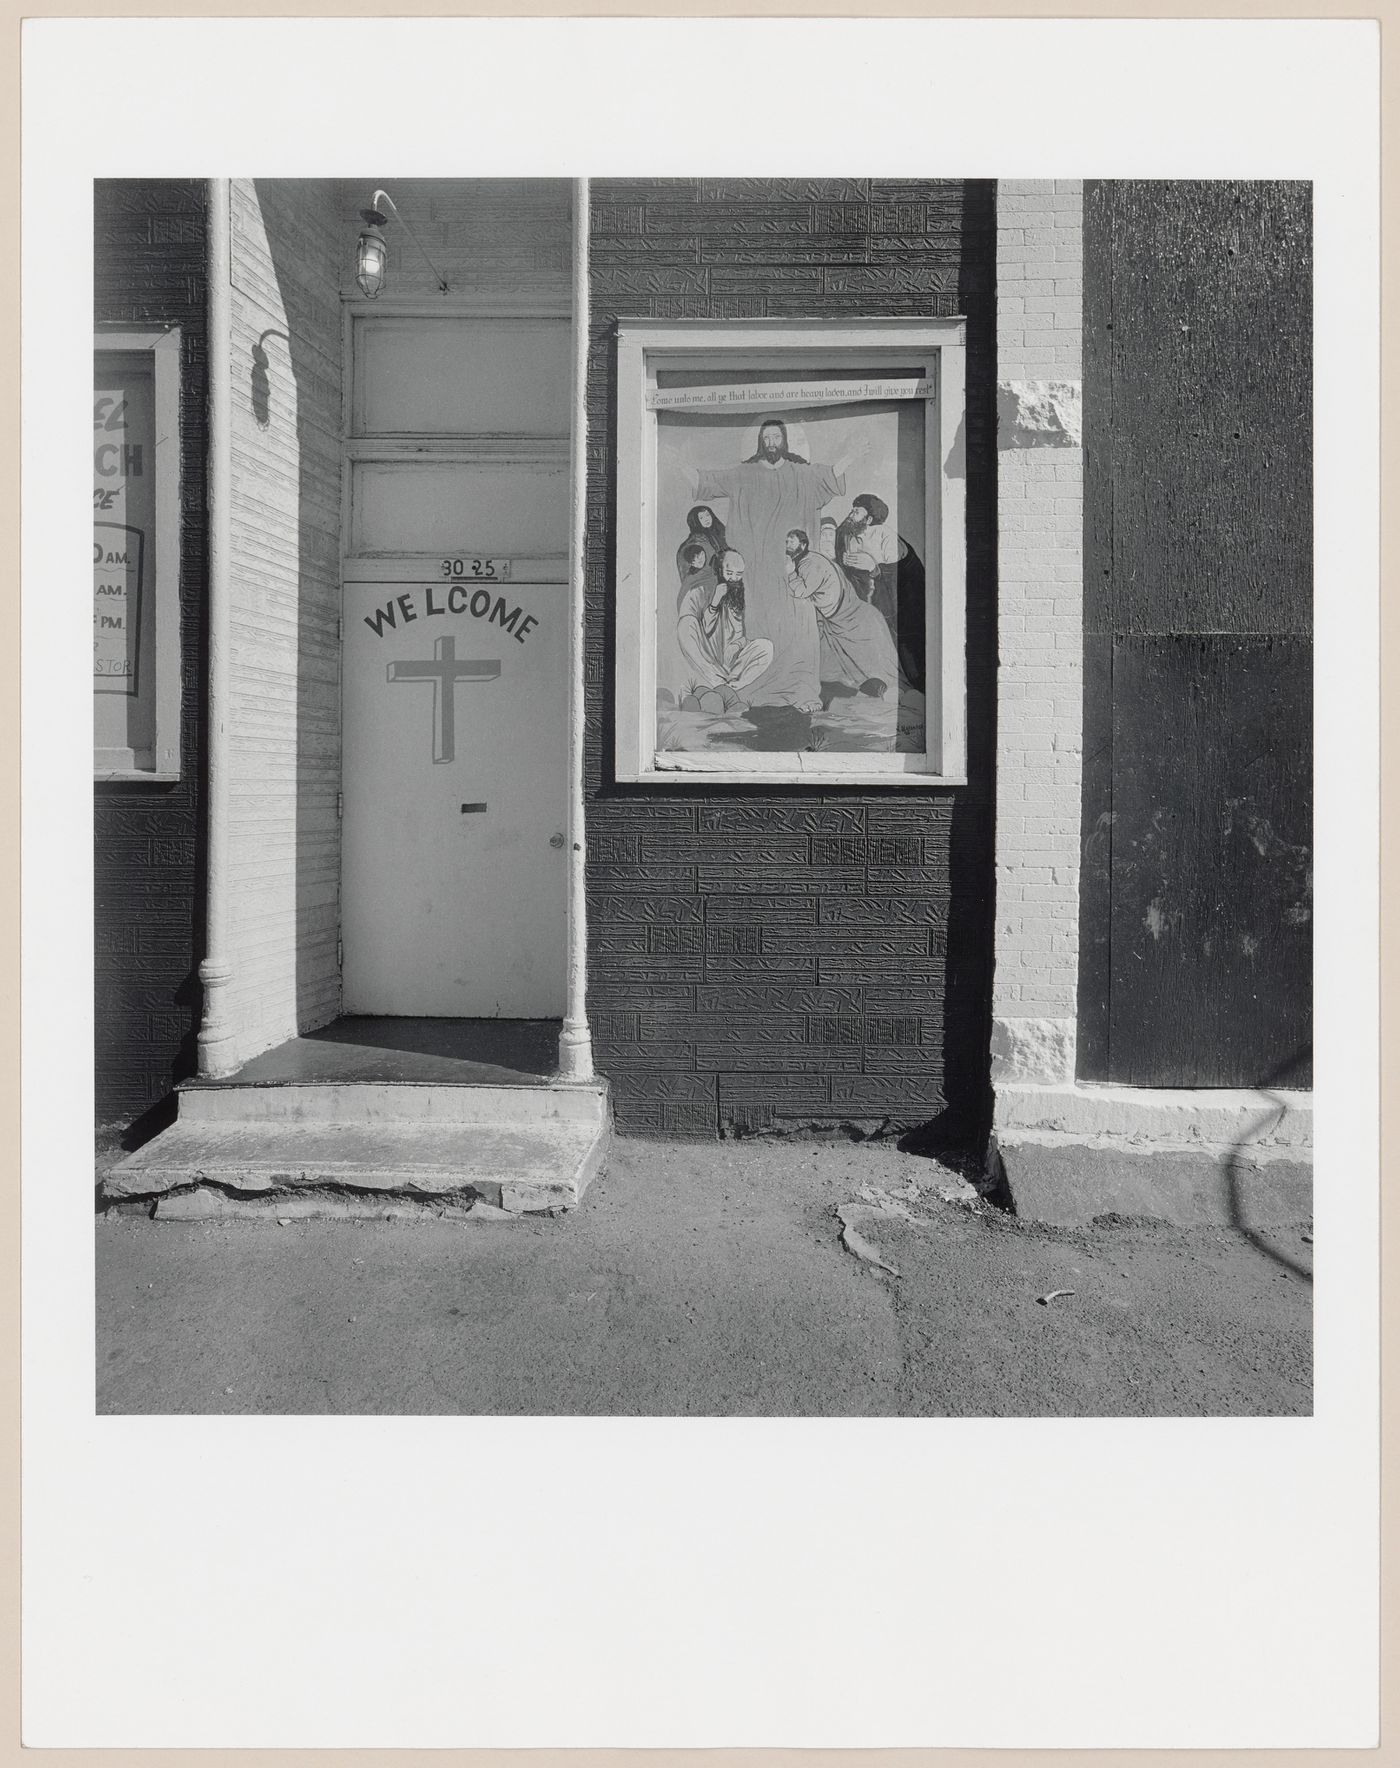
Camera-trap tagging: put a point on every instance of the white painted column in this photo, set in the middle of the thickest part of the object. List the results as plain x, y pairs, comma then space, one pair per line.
216, 1031
575, 1041
1040, 725
1040, 632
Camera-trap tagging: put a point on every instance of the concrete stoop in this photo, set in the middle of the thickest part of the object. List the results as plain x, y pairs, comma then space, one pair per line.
1070, 1184
1068, 1151
358, 1146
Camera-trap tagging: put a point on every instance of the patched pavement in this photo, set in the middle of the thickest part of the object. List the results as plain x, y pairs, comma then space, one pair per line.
710, 1279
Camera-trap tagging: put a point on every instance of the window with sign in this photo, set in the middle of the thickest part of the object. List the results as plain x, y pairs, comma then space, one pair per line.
136, 555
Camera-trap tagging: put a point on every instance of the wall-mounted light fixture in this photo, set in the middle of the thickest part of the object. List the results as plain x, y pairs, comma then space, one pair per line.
372, 251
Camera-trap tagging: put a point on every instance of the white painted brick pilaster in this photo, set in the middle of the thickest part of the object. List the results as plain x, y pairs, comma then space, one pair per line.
284, 592
1040, 472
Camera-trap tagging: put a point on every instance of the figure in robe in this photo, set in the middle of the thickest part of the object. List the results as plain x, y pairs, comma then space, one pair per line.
856, 647
698, 568
720, 658
704, 529
770, 493
894, 582
864, 528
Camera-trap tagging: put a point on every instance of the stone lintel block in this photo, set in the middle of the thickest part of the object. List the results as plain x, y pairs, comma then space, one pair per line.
1033, 1050
1040, 414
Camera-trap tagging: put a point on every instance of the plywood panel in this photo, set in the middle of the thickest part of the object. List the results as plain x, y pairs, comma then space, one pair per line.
1211, 862
1100, 429
1096, 861
1195, 952
1204, 358
440, 377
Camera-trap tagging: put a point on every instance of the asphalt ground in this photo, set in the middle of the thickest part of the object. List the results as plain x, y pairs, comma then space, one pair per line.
709, 1279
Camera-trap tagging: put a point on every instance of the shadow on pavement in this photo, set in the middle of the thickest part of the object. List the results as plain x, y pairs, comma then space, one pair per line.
1234, 1174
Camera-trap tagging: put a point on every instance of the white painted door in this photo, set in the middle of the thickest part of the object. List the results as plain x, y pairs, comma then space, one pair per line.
455, 743
455, 668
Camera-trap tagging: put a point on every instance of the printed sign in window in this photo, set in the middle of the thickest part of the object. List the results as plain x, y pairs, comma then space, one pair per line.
116, 610
123, 554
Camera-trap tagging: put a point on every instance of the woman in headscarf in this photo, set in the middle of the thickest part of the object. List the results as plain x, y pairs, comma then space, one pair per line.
703, 528
700, 568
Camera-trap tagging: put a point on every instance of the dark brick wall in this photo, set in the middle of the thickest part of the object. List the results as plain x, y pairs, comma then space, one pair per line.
149, 908
764, 958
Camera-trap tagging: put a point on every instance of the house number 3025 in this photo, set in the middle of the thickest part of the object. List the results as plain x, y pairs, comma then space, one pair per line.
482, 570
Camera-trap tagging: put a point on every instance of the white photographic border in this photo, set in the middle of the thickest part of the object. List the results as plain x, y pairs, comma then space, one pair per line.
1230, 1561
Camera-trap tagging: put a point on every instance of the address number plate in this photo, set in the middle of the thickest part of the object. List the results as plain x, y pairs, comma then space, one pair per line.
468, 569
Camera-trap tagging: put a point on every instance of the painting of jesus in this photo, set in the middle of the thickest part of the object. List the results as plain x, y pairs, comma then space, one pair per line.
743, 481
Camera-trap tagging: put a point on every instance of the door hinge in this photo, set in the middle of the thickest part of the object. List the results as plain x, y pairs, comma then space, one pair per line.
340, 804
339, 952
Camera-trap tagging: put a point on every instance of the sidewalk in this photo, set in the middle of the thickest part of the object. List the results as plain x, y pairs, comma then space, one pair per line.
709, 1278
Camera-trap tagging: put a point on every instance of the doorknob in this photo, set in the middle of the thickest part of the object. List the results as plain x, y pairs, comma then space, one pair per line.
557, 838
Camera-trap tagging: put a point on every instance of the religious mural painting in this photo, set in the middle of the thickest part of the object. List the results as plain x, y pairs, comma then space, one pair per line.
793, 531
788, 628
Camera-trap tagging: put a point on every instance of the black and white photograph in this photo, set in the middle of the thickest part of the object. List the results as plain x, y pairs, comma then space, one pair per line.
506, 594
722, 917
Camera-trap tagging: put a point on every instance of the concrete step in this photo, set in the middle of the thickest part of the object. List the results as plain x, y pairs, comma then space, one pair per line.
387, 1102
518, 1166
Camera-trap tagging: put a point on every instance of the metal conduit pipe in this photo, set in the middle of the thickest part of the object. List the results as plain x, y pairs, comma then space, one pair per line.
575, 1041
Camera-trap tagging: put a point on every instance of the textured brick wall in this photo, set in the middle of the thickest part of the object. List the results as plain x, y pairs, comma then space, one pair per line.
763, 958
284, 835
505, 239
149, 241
1040, 474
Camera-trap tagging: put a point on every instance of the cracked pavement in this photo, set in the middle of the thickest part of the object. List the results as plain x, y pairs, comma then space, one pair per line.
708, 1279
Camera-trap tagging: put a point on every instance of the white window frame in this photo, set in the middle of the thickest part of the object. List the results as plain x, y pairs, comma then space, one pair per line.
161, 764
937, 349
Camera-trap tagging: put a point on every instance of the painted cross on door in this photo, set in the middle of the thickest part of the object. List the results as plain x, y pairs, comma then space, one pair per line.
444, 672
448, 914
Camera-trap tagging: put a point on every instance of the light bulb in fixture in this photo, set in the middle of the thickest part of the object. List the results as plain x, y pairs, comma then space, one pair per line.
371, 254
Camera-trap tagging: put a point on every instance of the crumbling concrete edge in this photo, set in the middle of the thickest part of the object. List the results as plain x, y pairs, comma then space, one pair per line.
173, 1196
1222, 1121
1067, 1183
1065, 1151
